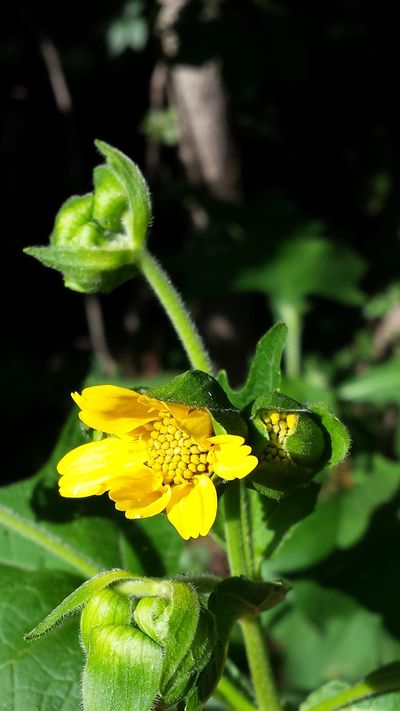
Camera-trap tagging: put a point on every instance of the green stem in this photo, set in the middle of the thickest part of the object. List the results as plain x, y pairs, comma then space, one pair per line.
233, 529
176, 312
32, 532
292, 317
238, 556
261, 672
233, 696
247, 538
359, 692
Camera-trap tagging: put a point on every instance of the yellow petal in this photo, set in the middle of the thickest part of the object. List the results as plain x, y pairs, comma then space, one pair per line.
143, 504
146, 481
112, 409
193, 507
231, 458
226, 439
91, 468
195, 422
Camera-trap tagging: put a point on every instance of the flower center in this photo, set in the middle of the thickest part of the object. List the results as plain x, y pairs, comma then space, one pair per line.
174, 453
280, 425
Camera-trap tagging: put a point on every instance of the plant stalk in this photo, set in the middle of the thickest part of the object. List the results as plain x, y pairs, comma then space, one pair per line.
238, 556
176, 312
230, 693
292, 317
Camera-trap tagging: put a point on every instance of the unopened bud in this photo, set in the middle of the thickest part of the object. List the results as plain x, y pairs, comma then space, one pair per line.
291, 442
97, 237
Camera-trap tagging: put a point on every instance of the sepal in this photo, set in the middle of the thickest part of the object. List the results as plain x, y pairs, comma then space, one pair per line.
200, 390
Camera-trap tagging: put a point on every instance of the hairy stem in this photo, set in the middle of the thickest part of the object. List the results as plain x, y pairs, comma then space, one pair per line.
292, 317
238, 556
230, 693
176, 312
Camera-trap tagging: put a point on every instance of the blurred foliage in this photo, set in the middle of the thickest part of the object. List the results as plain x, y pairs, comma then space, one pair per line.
315, 121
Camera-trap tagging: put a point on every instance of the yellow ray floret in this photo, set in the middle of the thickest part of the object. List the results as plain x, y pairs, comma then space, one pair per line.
159, 456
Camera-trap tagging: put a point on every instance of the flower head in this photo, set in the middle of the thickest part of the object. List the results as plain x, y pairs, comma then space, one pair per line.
159, 455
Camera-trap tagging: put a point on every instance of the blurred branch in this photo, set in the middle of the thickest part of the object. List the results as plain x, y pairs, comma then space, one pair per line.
97, 334
157, 96
56, 74
387, 330
205, 143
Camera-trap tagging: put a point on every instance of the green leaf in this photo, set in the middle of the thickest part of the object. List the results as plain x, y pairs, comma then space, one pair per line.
129, 30
341, 638
74, 602
265, 369
331, 688
282, 516
44, 674
379, 384
236, 597
307, 265
258, 509
230, 600
338, 522
379, 691
88, 270
135, 188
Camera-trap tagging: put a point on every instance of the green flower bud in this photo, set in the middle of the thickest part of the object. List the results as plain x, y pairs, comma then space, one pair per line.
97, 238
152, 642
153, 616
106, 607
122, 670
74, 214
110, 203
290, 443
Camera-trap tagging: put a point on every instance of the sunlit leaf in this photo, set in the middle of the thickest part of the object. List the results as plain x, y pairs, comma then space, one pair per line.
265, 369
43, 674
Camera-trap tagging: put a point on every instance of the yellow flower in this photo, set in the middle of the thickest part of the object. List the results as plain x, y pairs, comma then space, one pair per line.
160, 456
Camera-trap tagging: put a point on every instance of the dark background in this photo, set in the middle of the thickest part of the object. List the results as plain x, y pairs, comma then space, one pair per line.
313, 113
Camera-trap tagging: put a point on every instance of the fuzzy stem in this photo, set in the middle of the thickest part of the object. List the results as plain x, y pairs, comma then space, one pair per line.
176, 312
293, 319
230, 693
238, 556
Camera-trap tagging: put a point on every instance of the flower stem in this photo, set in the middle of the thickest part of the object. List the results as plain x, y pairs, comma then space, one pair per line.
261, 673
292, 317
176, 312
238, 556
233, 696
